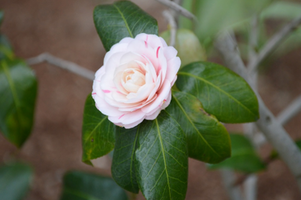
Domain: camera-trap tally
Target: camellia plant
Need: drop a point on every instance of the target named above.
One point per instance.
(154, 115)
(157, 101)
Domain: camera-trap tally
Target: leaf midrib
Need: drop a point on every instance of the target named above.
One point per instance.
(125, 22)
(95, 129)
(164, 159)
(217, 88)
(194, 125)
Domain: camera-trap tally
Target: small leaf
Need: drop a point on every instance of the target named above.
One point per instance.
(4, 41)
(208, 140)
(244, 158)
(282, 9)
(18, 90)
(82, 186)
(188, 46)
(15, 180)
(1, 16)
(123, 165)
(98, 132)
(5, 50)
(162, 159)
(223, 93)
(215, 16)
(122, 19)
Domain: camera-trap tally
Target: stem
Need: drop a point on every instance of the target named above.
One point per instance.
(269, 125)
(173, 26)
(179, 9)
(228, 180)
(292, 110)
(67, 65)
(274, 42)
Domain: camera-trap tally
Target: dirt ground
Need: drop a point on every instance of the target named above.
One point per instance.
(65, 29)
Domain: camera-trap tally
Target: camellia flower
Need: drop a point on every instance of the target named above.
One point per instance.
(135, 80)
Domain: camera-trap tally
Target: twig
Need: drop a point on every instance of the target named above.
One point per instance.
(268, 124)
(173, 26)
(179, 9)
(292, 110)
(250, 185)
(228, 180)
(273, 43)
(179, 2)
(250, 129)
(67, 65)
(253, 38)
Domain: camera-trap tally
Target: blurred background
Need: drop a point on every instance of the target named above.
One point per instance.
(65, 29)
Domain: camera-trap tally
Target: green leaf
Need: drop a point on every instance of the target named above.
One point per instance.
(1, 16)
(18, 90)
(4, 41)
(244, 157)
(5, 49)
(282, 9)
(98, 132)
(214, 16)
(207, 139)
(162, 159)
(87, 186)
(188, 46)
(15, 180)
(123, 165)
(183, 21)
(122, 19)
(223, 93)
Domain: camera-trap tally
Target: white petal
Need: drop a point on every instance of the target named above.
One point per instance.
(104, 107)
(173, 68)
(128, 120)
(153, 115)
(162, 96)
(170, 52)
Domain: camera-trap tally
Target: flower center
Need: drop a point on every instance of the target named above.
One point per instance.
(132, 79)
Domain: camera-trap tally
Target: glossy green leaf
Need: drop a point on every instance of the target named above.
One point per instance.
(162, 159)
(98, 133)
(87, 186)
(223, 93)
(122, 19)
(18, 90)
(123, 164)
(15, 180)
(207, 139)
(188, 46)
(244, 158)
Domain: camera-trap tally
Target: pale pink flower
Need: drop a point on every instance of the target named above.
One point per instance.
(135, 80)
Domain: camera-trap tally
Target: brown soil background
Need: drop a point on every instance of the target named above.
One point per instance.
(65, 29)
